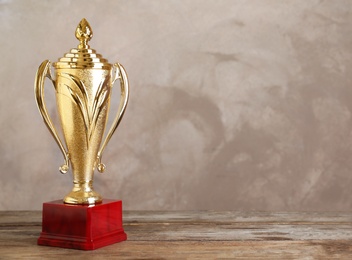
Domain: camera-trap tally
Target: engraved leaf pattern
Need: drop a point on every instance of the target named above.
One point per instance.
(78, 92)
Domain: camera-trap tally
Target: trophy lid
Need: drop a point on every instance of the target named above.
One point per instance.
(83, 57)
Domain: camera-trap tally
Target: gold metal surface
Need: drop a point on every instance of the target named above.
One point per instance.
(83, 83)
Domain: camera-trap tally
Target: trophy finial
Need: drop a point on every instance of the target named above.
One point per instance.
(84, 33)
(83, 57)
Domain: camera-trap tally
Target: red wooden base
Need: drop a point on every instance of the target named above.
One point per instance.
(85, 227)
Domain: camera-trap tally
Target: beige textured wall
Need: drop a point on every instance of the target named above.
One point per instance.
(235, 105)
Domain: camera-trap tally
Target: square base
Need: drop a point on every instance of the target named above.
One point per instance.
(85, 227)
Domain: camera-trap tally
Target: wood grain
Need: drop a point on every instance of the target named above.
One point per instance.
(195, 235)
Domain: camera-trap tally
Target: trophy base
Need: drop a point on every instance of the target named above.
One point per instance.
(85, 227)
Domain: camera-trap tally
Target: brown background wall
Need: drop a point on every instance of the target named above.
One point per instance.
(235, 105)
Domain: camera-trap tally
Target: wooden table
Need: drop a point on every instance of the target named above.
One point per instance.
(192, 235)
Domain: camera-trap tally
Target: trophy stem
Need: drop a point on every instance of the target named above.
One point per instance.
(83, 193)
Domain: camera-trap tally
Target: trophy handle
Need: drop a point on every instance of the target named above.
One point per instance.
(121, 74)
(44, 71)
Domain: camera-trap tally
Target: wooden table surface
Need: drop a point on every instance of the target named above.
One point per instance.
(195, 235)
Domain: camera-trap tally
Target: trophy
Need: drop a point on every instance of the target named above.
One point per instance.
(83, 83)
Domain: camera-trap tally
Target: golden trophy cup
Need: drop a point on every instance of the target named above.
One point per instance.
(83, 84)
